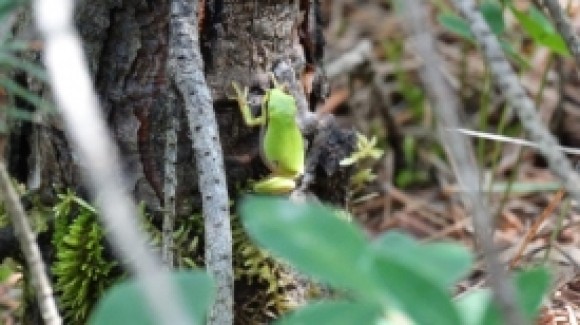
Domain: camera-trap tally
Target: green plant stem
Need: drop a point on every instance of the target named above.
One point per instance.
(513, 176)
(483, 117)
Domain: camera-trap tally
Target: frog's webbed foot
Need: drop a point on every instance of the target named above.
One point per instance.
(274, 185)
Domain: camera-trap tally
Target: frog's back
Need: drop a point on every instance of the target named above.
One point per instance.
(283, 139)
(286, 150)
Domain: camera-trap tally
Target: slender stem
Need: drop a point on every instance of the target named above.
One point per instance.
(29, 247)
(186, 70)
(169, 187)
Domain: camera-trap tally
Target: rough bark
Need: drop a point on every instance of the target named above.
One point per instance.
(127, 50)
(126, 43)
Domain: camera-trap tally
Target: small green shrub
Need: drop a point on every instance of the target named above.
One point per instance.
(390, 276)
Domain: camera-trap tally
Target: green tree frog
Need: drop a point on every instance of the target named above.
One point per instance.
(282, 145)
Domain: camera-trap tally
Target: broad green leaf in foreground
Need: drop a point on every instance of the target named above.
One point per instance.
(335, 313)
(443, 263)
(473, 306)
(312, 239)
(124, 303)
(532, 285)
(422, 299)
(478, 307)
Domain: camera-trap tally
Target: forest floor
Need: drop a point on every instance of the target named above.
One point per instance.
(416, 191)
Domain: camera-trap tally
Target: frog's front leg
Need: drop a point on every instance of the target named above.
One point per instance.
(242, 98)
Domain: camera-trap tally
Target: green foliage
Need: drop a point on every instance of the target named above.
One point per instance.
(253, 266)
(492, 12)
(3, 216)
(8, 6)
(533, 22)
(366, 151)
(540, 29)
(7, 268)
(12, 61)
(413, 174)
(187, 239)
(455, 24)
(393, 274)
(477, 307)
(413, 94)
(335, 313)
(124, 303)
(81, 269)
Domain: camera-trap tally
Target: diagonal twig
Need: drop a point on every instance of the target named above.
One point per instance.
(462, 158)
(536, 226)
(29, 247)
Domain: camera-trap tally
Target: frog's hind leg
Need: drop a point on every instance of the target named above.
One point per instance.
(274, 185)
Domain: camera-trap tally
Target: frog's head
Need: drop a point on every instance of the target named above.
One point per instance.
(280, 104)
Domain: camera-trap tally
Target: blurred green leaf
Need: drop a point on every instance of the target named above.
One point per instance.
(541, 30)
(456, 25)
(423, 300)
(513, 54)
(19, 63)
(16, 89)
(443, 263)
(6, 271)
(124, 303)
(7, 6)
(479, 308)
(333, 312)
(532, 285)
(493, 13)
(473, 306)
(410, 149)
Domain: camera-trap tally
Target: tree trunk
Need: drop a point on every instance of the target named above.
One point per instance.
(126, 48)
(126, 44)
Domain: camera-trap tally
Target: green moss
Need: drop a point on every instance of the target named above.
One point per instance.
(81, 269)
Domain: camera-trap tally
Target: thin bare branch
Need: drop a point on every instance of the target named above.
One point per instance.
(462, 158)
(78, 103)
(29, 247)
(169, 186)
(350, 60)
(186, 69)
